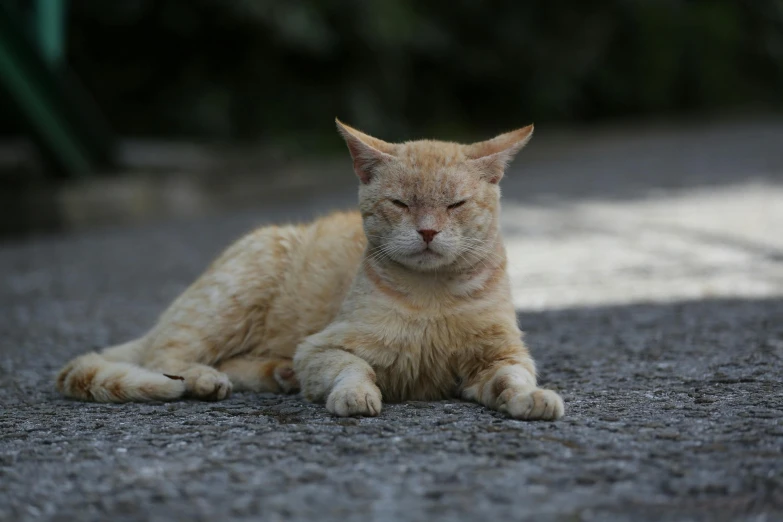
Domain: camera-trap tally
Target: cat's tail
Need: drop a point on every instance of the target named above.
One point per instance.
(115, 376)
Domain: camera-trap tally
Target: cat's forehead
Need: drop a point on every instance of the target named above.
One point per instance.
(430, 155)
(432, 170)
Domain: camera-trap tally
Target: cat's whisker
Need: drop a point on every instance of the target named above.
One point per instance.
(378, 256)
(484, 256)
(380, 253)
(484, 249)
(476, 241)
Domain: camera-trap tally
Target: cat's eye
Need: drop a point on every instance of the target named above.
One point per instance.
(457, 204)
(398, 203)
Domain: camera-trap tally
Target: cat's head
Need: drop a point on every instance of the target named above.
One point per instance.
(431, 204)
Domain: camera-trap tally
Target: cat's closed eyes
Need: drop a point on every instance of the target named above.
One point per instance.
(406, 299)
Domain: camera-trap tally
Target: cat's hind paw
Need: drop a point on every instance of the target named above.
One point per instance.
(208, 384)
(286, 377)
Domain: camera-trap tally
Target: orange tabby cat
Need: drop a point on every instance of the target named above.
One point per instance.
(408, 299)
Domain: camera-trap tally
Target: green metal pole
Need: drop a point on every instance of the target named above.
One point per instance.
(34, 74)
(34, 105)
(50, 28)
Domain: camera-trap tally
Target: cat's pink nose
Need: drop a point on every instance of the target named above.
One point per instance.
(428, 235)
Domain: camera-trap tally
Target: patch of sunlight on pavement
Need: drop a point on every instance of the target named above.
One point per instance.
(703, 243)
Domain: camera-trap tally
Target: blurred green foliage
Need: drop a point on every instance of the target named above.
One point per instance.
(237, 69)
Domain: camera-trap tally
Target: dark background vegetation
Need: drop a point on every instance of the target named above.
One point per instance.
(229, 70)
(267, 77)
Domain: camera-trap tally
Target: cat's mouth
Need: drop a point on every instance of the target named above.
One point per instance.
(428, 252)
(423, 258)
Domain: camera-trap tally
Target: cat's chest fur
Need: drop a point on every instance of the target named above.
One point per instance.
(416, 337)
(418, 358)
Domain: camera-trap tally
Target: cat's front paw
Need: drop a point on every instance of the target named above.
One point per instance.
(536, 404)
(354, 400)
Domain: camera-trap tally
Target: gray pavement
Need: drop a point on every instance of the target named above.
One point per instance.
(648, 273)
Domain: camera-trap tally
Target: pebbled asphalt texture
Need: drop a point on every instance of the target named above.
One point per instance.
(648, 271)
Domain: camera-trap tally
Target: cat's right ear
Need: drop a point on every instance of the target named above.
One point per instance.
(493, 156)
(367, 152)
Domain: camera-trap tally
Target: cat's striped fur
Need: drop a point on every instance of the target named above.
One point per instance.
(406, 299)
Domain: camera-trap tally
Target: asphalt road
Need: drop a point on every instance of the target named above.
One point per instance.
(648, 272)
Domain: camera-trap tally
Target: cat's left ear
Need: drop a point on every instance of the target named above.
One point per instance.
(493, 156)
(367, 152)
